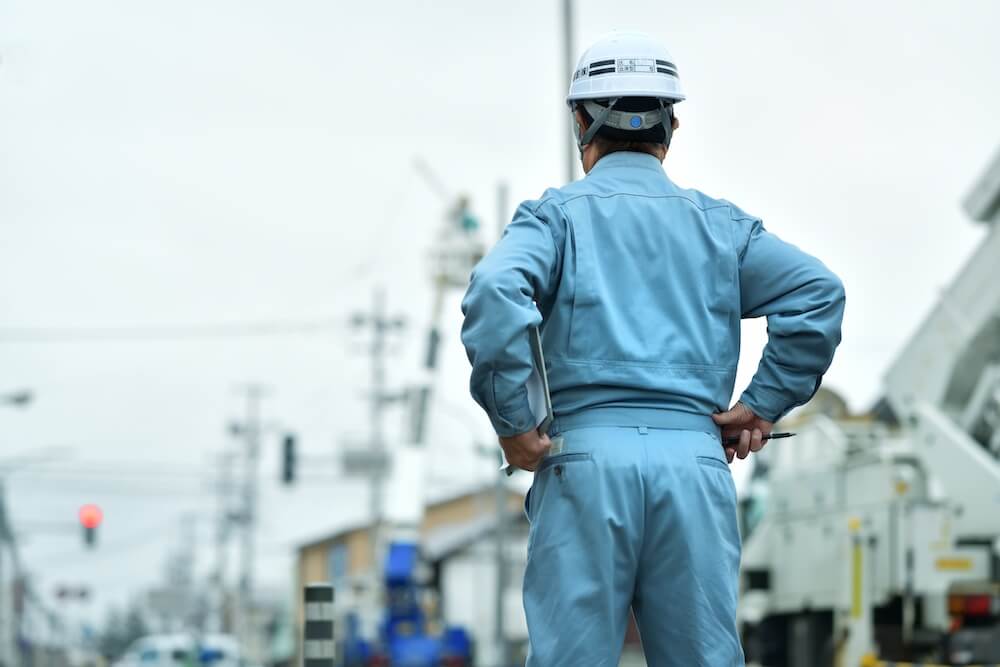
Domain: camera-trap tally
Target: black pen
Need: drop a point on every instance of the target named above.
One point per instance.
(735, 439)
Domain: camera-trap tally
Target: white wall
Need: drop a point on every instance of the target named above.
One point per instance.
(468, 589)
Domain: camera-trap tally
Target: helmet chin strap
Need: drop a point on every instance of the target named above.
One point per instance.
(667, 118)
(595, 125)
(585, 137)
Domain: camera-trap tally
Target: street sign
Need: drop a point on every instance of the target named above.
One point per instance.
(65, 592)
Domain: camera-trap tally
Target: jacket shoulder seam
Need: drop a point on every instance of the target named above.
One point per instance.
(637, 194)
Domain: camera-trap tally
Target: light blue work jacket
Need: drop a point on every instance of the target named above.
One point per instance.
(639, 287)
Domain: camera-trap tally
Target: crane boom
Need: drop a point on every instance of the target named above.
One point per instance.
(944, 359)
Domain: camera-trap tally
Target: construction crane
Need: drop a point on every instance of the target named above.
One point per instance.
(457, 249)
(878, 537)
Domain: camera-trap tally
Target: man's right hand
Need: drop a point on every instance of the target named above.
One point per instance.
(525, 451)
(740, 421)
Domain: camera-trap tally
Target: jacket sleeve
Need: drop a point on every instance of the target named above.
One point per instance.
(499, 308)
(804, 305)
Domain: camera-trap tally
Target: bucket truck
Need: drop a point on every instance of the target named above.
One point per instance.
(878, 537)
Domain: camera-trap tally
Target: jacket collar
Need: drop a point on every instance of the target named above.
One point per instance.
(627, 159)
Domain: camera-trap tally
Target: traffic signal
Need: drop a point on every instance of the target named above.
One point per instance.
(288, 459)
(90, 518)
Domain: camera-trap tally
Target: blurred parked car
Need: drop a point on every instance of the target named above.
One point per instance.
(182, 650)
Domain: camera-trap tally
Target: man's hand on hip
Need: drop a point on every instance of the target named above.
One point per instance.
(525, 451)
(740, 421)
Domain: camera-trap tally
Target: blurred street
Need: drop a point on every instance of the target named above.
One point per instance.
(234, 240)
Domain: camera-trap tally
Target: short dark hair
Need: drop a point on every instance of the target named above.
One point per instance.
(611, 139)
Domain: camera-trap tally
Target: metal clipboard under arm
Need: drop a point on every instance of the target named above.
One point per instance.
(539, 398)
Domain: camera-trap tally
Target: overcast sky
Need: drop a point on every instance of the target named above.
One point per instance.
(196, 163)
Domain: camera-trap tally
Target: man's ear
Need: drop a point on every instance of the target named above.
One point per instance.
(580, 122)
(675, 123)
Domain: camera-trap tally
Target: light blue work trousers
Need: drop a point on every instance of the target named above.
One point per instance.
(632, 516)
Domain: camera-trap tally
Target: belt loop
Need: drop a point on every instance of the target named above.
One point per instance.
(643, 430)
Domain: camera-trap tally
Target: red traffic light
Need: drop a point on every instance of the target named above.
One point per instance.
(91, 516)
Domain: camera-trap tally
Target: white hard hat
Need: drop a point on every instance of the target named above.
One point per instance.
(625, 64)
(620, 65)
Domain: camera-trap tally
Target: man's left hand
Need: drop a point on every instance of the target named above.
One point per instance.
(525, 451)
(739, 421)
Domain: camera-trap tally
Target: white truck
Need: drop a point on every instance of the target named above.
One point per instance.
(878, 537)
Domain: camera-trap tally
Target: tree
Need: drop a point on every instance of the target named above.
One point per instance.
(120, 630)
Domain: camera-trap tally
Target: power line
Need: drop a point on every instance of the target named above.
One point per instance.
(137, 539)
(102, 478)
(168, 332)
(203, 330)
(115, 471)
(122, 488)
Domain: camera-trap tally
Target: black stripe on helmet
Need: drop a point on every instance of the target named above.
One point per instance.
(664, 70)
(666, 63)
(605, 70)
(601, 63)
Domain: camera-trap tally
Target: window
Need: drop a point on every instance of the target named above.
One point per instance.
(337, 562)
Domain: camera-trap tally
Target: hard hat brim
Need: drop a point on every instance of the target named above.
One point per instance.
(599, 88)
(631, 93)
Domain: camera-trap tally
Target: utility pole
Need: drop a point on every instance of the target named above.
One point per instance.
(223, 522)
(5, 596)
(568, 64)
(9, 615)
(499, 629)
(500, 543)
(381, 325)
(8, 619)
(250, 430)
